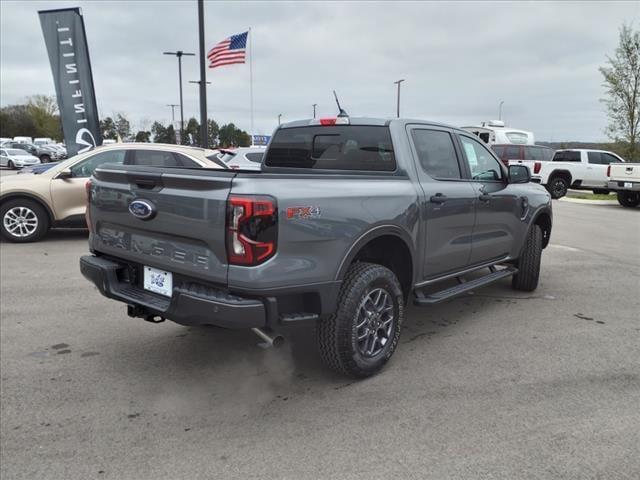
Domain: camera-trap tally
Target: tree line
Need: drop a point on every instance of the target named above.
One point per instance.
(39, 117)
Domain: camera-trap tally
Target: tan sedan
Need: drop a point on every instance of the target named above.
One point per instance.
(32, 203)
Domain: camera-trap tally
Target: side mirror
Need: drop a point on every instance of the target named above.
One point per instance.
(65, 174)
(519, 174)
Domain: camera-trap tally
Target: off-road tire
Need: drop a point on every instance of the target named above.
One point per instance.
(40, 213)
(529, 262)
(337, 335)
(557, 187)
(629, 199)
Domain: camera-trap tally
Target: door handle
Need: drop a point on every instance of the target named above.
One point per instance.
(438, 198)
(484, 197)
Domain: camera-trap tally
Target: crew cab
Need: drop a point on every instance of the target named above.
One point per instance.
(347, 221)
(624, 179)
(580, 169)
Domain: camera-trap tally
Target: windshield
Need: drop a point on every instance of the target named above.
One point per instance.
(18, 153)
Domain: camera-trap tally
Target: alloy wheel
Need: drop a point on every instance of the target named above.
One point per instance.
(375, 322)
(20, 222)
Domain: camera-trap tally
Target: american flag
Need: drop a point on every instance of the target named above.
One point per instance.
(230, 50)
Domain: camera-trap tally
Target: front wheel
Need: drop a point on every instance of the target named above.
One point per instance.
(360, 337)
(558, 187)
(11, 165)
(529, 262)
(23, 221)
(45, 159)
(629, 199)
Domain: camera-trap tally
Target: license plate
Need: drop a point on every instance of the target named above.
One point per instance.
(628, 185)
(158, 281)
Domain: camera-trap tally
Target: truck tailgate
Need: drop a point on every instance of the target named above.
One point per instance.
(625, 172)
(185, 230)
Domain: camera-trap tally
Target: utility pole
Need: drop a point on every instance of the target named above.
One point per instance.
(180, 54)
(204, 137)
(500, 110)
(314, 110)
(398, 82)
(173, 109)
(279, 116)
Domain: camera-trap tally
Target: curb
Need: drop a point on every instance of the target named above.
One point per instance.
(588, 202)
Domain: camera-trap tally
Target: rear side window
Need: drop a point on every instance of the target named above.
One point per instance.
(436, 153)
(186, 161)
(513, 153)
(566, 156)
(254, 157)
(86, 167)
(344, 147)
(537, 153)
(155, 158)
(607, 158)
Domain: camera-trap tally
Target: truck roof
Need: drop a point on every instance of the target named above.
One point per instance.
(371, 121)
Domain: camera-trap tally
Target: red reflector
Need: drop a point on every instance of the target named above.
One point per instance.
(536, 167)
(327, 121)
(87, 212)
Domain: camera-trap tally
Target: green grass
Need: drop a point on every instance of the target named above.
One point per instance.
(591, 196)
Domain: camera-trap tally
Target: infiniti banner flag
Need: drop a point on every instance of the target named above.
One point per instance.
(66, 42)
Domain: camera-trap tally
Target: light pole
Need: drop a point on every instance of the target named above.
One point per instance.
(204, 142)
(180, 54)
(398, 82)
(500, 110)
(173, 109)
(279, 116)
(314, 109)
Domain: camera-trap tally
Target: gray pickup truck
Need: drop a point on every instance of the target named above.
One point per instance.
(348, 220)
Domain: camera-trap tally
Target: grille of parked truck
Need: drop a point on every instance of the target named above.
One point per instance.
(347, 221)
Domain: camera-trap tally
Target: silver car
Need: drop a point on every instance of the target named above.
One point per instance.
(16, 158)
(244, 158)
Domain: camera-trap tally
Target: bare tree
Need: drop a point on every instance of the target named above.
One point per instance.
(622, 85)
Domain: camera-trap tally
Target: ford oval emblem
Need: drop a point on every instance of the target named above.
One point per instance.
(142, 209)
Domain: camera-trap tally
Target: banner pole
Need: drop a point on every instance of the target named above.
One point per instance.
(251, 80)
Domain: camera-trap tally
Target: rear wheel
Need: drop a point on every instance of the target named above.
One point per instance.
(629, 199)
(529, 262)
(23, 221)
(558, 187)
(361, 336)
(45, 158)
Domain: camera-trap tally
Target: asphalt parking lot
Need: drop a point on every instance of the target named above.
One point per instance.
(498, 384)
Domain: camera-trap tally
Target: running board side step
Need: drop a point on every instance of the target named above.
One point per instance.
(421, 299)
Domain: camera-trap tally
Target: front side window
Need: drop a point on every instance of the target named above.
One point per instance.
(436, 153)
(483, 165)
(86, 167)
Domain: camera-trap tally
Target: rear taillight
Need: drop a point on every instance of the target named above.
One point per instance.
(87, 213)
(252, 229)
(609, 171)
(536, 167)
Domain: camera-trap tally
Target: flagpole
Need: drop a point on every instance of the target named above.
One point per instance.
(251, 80)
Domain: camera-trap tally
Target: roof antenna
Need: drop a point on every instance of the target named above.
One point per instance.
(342, 112)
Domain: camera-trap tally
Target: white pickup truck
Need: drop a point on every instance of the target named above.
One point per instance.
(579, 169)
(624, 179)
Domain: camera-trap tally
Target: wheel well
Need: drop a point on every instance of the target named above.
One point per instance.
(544, 222)
(19, 196)
(561, 173)
(393, 253)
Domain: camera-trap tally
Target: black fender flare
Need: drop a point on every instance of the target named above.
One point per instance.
(544, 210)
(372, 234)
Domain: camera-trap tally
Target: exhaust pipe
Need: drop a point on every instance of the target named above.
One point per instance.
(275, 341)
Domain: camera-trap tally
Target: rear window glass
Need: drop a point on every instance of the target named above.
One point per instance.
(343, 147)
(566, 156)
(499, 151)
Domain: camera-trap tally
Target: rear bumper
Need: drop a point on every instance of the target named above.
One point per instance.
(190, 304)
(635, 186)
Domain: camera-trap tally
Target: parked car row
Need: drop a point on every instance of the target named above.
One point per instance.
(54, 196)
(45, 152)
